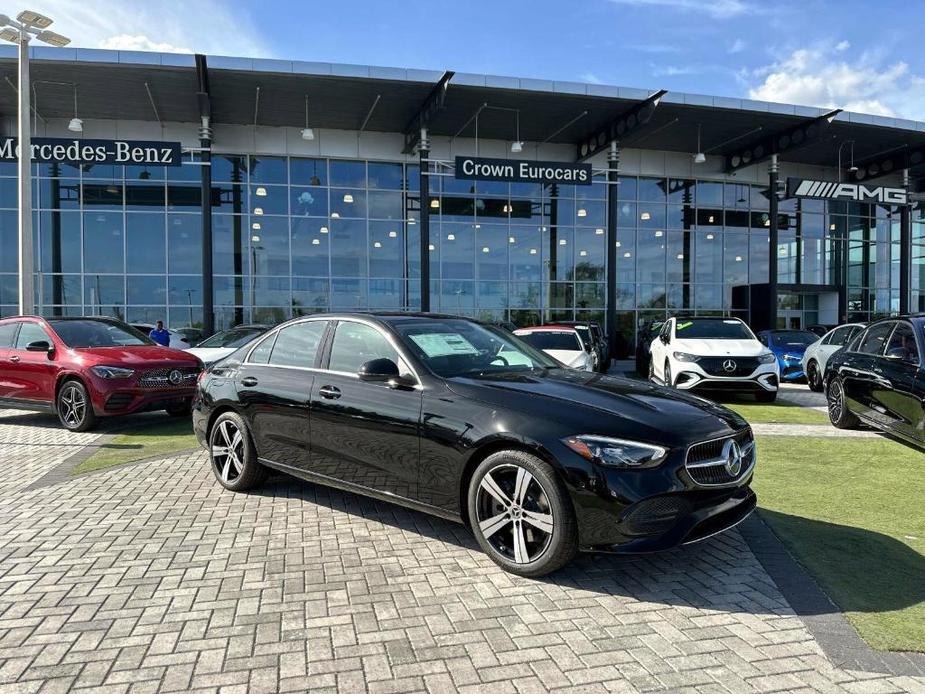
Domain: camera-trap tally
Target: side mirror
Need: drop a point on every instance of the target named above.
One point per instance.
(378, 371)
(896, 353)
(40, 346)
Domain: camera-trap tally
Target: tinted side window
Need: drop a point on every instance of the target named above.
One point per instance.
(31, 332)
(838, 337)
(297, 345)
(261, 353)
(872, 342)
(6, 334)
(355, 344)
(902, 344)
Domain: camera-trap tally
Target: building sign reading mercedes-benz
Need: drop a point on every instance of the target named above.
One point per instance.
(53, 150)
(519, 171)
(855, 192)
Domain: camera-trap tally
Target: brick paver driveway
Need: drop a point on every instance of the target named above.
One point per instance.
(149, 577)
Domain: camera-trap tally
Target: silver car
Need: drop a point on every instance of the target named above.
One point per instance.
(818, 353)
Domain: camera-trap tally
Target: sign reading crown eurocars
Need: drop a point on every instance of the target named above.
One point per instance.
(53, 150)
(519, 171)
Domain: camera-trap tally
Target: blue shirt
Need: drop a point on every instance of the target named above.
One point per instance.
(161, 337)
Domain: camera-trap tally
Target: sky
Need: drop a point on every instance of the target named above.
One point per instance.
(860, 55)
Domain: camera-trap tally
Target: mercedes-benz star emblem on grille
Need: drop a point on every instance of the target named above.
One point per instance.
(732, 454)
(175, 377)
(729, 365)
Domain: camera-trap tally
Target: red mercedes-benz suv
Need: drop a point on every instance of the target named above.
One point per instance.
(86, 368)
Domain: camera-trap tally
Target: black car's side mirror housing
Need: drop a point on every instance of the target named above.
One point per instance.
(41, 346)
(378, 371)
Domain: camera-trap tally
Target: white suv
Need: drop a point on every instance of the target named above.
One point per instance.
(713, 353)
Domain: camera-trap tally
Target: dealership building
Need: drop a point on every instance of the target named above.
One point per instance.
(217, 191)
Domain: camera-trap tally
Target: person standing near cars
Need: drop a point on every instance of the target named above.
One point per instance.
(160, 334)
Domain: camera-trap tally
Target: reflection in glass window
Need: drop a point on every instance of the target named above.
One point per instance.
(309, 201)
(269, 246)
(348, 174)
(265, 169)
(355, 344)
(61, 247)
(385, 176)
(268, 199)
(103, 242)
(184, 243)
(308, 172)
(297, 345)
(145, 246)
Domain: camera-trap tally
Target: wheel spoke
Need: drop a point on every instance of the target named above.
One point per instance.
(521, 556)
(492, 525)
(223, 430)
(219, 450)
(238, 467)
(489, 485)
(540, 521)
(226, 470)
(236, 441)
(520, 488)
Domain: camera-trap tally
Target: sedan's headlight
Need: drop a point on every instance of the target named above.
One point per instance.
(616, 452)
(684, 356)
(767, 358)
(111, 371)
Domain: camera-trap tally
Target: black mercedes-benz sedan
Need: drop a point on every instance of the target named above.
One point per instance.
(465, 421)
(878, 379)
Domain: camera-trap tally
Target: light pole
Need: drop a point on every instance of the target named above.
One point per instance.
(28, 25)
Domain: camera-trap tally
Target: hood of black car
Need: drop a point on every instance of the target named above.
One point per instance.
(604, 402)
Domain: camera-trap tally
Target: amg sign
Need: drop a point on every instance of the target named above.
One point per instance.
(856, 192)
(51, 150)
(518, 171)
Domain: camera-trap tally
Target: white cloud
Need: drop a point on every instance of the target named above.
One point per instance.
(591, 77)
(842, 46)
(139, 42)
(673, 70)
(204, 26)
(718, 9)
(820, 76)
(737, 47)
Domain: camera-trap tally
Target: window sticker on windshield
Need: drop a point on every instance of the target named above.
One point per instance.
(688, 324)
(443, 344)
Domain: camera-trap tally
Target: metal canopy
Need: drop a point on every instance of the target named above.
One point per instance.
(123, 86)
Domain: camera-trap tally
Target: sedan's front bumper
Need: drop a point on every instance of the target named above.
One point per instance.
(763, 378)
(699, 523)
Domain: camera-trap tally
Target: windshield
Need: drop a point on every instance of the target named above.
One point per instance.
(451, 347)
(585, 333)
(97, 333)
(236, 337)
(792, 338)
(550, 339)
(712, 329)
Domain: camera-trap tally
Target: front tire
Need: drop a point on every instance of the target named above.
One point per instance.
(521, 514)
(813, 377)
(839, 415)
(766, 396)
(75, 411)
(233, 454)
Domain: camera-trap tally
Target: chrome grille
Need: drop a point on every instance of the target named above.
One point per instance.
(742, 366)
(707, 464)
(159, 379)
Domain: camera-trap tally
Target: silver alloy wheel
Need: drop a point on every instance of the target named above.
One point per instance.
(227, 450)
(836, 400)
(514, 513)
(72, 405)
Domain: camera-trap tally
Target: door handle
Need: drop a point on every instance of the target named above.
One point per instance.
(329, 392)
(14, 359)
(249, 381)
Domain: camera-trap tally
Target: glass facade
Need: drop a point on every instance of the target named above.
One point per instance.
(301, 235)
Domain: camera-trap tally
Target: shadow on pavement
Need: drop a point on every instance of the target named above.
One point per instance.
(860, 570)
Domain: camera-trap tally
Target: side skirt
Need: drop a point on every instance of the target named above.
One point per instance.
(318, 478)
(30, 405)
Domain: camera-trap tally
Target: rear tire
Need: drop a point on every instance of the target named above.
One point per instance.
(766, 396)
(813, 377)
(75, 411)
(184, 410)
(521, 514)
(233, 454)
(839, 415)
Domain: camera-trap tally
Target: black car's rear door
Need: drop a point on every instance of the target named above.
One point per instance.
(365, 433)
(858, 373)
(896, 394)
(274, 386)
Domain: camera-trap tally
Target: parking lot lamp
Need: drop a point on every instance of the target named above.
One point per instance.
(27, 26)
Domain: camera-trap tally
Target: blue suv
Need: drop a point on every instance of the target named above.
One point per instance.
(788, 346)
